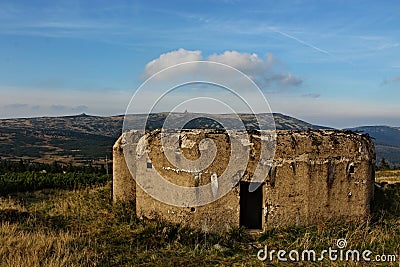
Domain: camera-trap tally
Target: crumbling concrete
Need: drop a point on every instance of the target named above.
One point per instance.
(315, 176)
(124, 187)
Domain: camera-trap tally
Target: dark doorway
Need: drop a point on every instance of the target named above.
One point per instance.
(250, 206)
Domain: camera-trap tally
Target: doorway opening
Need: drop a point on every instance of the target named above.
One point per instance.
(251, 206)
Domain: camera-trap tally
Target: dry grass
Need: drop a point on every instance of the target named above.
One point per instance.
(20, 247)
(389, 176)
(28, 238)
(82, 228)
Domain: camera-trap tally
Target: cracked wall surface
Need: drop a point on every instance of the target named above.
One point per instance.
(315, 176)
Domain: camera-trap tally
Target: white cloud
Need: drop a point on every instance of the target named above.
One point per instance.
(260, 69)
(245, 62)
(169, 59)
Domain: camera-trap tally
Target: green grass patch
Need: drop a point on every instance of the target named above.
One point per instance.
(30, 181)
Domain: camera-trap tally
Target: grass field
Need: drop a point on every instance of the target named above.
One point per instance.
(56, 227)
(389, 176)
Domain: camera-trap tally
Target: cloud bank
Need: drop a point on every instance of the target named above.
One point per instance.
(261, 69)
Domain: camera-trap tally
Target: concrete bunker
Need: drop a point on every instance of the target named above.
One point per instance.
(315, 176)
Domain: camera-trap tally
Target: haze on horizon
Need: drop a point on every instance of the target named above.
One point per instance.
(333, 63)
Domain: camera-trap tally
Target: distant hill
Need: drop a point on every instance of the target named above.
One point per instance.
(387, 141)
(66, 139)
(80, 138)
(282, 122)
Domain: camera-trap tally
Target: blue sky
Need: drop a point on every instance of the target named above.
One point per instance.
(333, 63)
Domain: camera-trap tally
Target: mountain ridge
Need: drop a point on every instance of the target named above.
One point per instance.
(81, 138)
(386, 140)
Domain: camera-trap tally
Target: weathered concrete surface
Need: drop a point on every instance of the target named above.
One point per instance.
(313, 179)
(316, 176)
(124, 187)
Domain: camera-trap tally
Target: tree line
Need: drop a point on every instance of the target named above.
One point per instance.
(384, 165)
(30, 181)
(24, 175)
(21, 166)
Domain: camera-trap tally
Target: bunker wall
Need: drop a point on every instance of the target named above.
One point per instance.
(315, 176)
